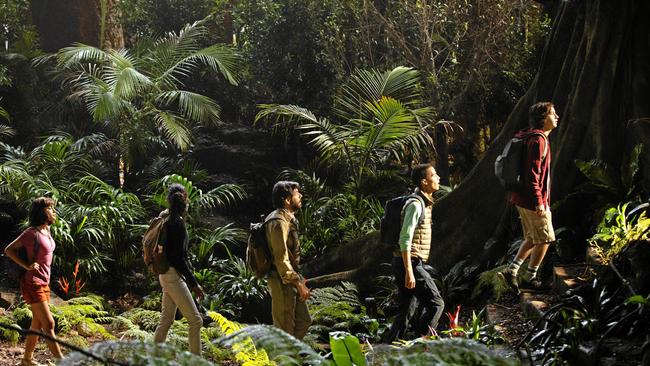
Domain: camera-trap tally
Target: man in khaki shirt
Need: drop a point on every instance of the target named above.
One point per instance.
(288, 288)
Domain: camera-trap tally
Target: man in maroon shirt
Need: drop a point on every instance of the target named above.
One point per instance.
(532, 201)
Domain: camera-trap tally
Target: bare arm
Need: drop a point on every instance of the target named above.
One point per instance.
(11, 251)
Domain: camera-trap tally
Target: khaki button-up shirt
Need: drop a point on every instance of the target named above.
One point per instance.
(282, 235)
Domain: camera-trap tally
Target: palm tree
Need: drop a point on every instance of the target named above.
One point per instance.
(96, 223)
(199, 203)
(139, 93)
(380, 118)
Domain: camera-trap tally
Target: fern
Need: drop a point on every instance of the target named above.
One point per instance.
(146, 319)
(445, 351)
(282, 348)
(492, 281)
(346, 292)
(23, 316)
(244, 349)
(95, 301)
(136, 353)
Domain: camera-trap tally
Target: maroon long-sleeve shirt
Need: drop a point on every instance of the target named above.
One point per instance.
(536, 189)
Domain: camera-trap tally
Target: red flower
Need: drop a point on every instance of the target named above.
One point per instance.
(453, 321)
(65, 286)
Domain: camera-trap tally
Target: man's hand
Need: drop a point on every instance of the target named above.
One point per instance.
(33, 267)
(303, 291)
(198, 292)
(409, 279)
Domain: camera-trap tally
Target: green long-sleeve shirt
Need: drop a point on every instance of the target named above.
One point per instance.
(412, 213)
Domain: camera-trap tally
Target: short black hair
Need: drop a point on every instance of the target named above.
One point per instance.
(37, 214)
(282, 190)
(418, 173)
(177, 199)
(537, 114)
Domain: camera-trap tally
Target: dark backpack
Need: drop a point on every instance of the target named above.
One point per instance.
(152, 245)
(509, 166)
(14, 270)
(258, 253)
(391, 222)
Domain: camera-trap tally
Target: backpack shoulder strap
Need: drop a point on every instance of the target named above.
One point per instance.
(412, 198)
(545, 142)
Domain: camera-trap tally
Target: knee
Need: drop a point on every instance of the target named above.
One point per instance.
(195, 321)
(47, 324)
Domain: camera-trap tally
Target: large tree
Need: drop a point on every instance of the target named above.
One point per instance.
(64, 22)
(595, 69)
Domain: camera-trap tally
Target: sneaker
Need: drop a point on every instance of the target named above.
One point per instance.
(535, 285)
(510, 279)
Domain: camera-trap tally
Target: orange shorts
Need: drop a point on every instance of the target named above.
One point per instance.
(33, 293)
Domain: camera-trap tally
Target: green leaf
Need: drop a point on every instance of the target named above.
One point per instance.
(638, 299)
(600, 175)
(346, 349)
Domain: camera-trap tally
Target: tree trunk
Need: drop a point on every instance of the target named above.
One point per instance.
(63, 22)
(595, 70)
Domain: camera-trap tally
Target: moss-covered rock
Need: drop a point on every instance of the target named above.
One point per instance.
(8, 335)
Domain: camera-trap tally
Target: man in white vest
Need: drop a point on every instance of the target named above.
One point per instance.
(410, 259)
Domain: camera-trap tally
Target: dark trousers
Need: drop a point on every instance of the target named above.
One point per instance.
(425, 292)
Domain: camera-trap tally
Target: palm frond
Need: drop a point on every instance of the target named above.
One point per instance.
(125, 79)
(173, 128)
(219, 58)
(222, 196)
(391, 123)
(4, 129)
(329, 139)
(401, 83)
(196, 107)
(95, 144)
(70, 57)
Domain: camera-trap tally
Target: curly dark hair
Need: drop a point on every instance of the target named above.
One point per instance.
(177, 199)
(37, 214)
(537, 114)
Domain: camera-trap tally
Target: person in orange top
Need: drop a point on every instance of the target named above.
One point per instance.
(34, 284)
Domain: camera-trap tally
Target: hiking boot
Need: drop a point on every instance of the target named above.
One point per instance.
(510, 279)
(535, 285)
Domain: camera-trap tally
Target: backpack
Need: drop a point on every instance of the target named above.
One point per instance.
(152, 244)
(16, 271)
(391, 223)
(509, 166)
(258, 253)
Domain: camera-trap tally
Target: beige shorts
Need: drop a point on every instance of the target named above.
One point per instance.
(537, 229)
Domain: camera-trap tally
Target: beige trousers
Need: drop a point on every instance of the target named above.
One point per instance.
(177, 295)
(289, 313)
